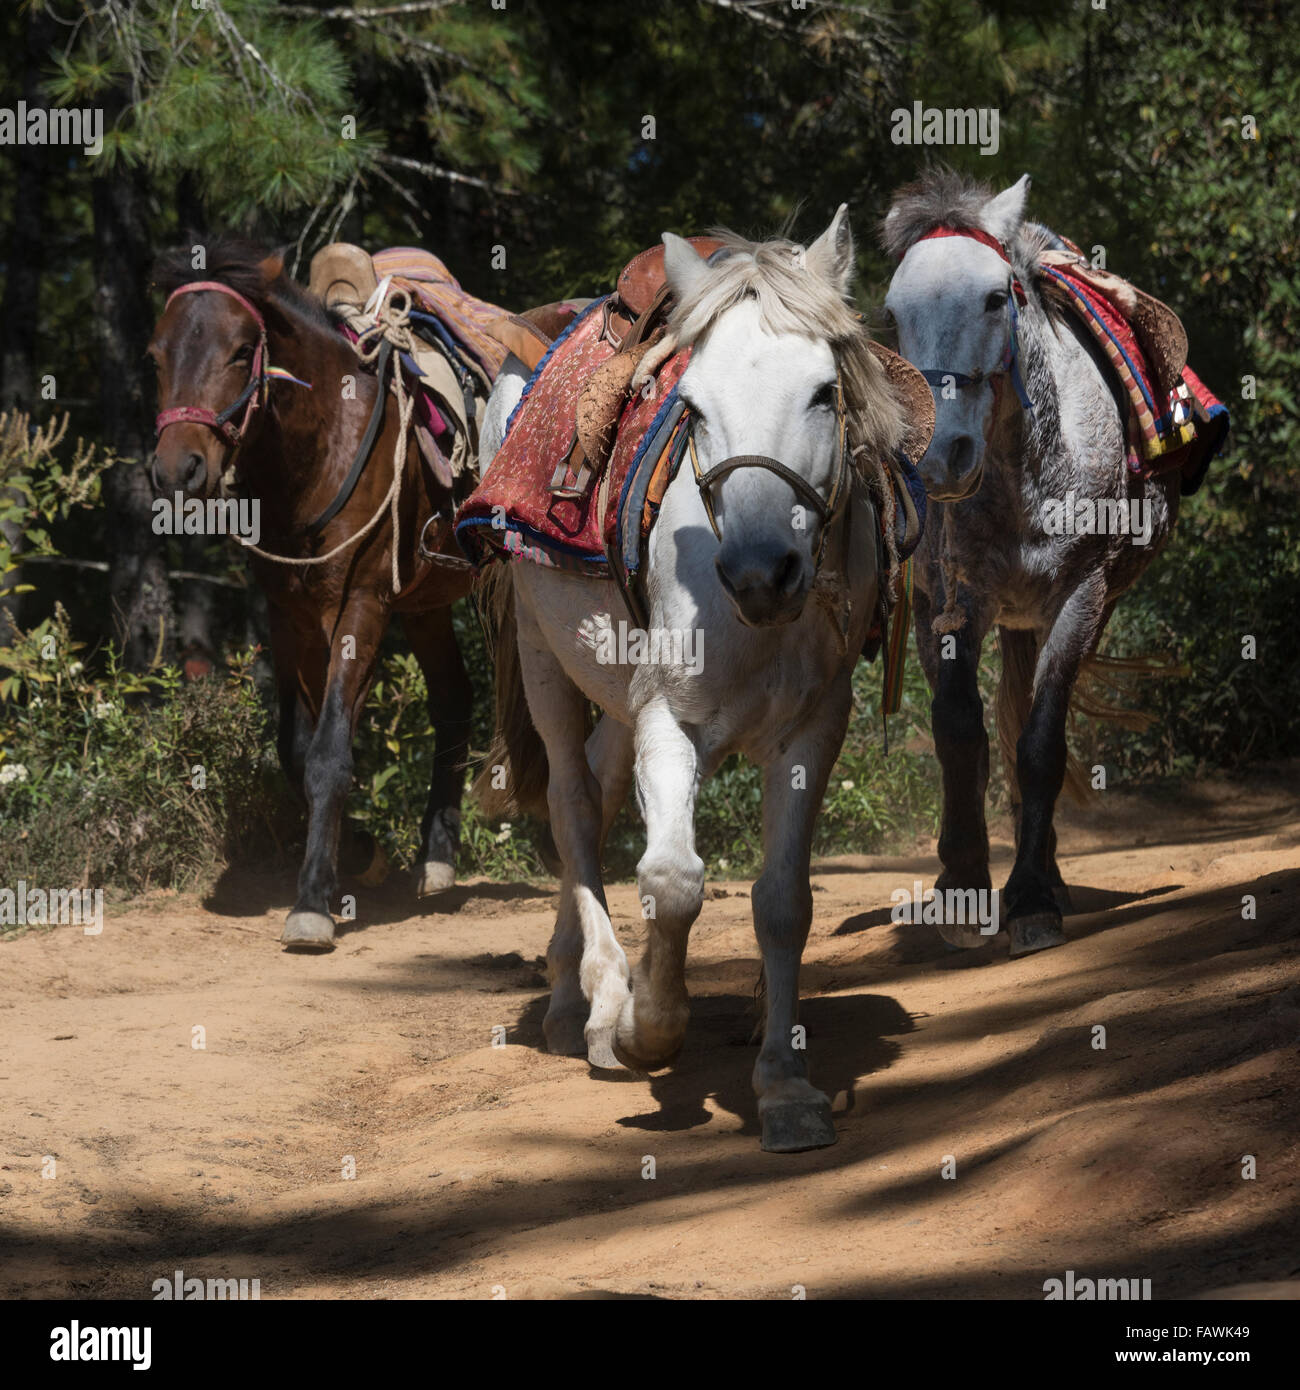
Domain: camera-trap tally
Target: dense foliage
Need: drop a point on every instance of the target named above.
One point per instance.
(569, 135)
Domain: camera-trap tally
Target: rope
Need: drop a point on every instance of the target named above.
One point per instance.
(952, 619)
(391, 321)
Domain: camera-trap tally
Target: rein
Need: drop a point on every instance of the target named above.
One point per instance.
(826, 508)
(1010, 363)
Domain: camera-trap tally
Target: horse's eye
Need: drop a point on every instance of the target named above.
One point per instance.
(996, 300)
(823, 396)
(243, 354)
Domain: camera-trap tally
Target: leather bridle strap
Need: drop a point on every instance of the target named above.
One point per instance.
(1010, 363)
(363, 449)
(248, 400)
(825, 508)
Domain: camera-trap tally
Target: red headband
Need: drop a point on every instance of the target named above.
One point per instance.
(985, 239)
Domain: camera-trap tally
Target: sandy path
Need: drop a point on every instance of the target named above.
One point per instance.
(481, 1167)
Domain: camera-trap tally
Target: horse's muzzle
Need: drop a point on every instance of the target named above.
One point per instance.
(766, 583)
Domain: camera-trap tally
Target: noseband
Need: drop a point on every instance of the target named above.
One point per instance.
(1010, 363)
(253, 395)
(826, 509)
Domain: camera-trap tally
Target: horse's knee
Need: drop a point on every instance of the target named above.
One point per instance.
(672, 888)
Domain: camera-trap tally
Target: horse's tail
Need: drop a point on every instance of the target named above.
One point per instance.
(515, 773)
(1094, 694)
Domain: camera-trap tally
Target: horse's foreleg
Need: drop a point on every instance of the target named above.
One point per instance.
(962, 744)
(433, 640)
(794, 1114)
(310, 927)
(1032, 911)
(588, 967)
(670, 884)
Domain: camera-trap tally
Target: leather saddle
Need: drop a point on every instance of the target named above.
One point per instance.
(343, 278)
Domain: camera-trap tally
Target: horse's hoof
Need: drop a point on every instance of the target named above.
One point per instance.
(1040, 931)
(796, 1125)
(377, 870)
(963, 936)
(600, 1051)
(308, 931)
(434, 878)
(1061, 895)
(564, 1033)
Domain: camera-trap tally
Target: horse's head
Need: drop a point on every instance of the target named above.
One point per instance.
(766, 389)
(954, 300)
(209, 348)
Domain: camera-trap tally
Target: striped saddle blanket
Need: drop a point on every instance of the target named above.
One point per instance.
(1174, 421)
(515, 514)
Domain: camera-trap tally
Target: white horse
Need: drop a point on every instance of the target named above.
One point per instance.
(765, 552)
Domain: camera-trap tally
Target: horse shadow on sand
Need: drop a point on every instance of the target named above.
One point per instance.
(849, 1037)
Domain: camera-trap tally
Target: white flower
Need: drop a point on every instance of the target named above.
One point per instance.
(35, 702)
(75, 669)
(846, 786)
(103, 710)
(504, 833)
(724, 863)
(12, 772)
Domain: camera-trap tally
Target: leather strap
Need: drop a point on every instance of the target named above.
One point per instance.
(363, 450)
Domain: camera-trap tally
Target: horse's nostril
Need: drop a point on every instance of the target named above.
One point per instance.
(196, 473)
(961, 454)
(788, 574)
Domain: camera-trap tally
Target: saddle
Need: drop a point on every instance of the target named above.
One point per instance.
(452, 355)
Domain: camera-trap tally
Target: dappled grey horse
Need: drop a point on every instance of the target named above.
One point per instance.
(1025, 419)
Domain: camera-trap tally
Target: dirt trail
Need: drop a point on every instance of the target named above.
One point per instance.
(481, 1167)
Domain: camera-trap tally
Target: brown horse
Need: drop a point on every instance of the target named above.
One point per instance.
(293, 435)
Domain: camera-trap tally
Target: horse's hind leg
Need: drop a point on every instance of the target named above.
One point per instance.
(609, 755)
(433, 640)
(794, 1114)
(558, 711)
(1033, 916)
(961, 742)
(670, 884)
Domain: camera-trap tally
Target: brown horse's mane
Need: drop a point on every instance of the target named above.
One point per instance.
(237, 262)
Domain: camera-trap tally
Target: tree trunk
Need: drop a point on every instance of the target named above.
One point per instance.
(24, 265)
(138, 586)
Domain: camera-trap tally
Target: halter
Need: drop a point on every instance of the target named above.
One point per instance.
(1010, 363)
(253, 395)
(827, 509)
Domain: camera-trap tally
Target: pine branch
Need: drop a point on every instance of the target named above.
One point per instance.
(435, 171)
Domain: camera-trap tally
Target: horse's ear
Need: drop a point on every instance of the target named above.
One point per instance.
(272, 267)
(1003, 215)
(831, 255)
(684, 268)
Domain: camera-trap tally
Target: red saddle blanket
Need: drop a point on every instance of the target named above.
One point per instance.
(514, 514)
(1179, 428)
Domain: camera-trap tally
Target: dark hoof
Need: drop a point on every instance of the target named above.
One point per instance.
(308, 932)
(796, 1125)
(1040, 931)
(963, 937)
(564, 1033)
(1064, 902)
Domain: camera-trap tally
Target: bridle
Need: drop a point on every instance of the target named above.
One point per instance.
(254, 394)
(1010, 363)
(826, 508)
